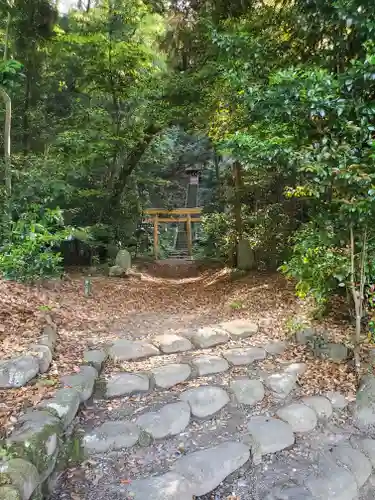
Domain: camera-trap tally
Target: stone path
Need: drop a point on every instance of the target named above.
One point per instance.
(178, 417)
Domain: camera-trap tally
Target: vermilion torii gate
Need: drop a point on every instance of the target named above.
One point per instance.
(162, 216)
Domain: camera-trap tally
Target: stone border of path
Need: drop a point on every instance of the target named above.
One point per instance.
(43, 443)
(17, 372)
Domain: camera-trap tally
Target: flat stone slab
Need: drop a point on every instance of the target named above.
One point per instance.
(83, 382)
(281, 384)
(321, 405)
(168, 421)
(338, 400)
(169, 375)
(207, 365)
(268, 435)
(296, 368)
(366, 446)
(129, 350)
(169, 486)
(17, 372)
(364, 411)
(332, 482)
(170, 343)
(355, 461)
(111, 436)
(275, 347)
(125, 384)
(95, 358)
(206, 469)
(240, 328)
(205, 401)
(209, 337)
(299, 416)
(244, 356)
(247, 392)
(64, 404)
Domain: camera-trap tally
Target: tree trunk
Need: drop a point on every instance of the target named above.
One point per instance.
(7, 160)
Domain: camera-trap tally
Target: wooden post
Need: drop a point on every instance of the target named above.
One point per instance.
(189, 236)
(156, 236)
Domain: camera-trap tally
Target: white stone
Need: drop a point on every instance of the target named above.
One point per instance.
(275, 347)
(207, 365)
(206, 469)
(281, 384)
(337, 399)
(299, 416)
(43, 354)
(240, 328)
(64, 403)
(357, 463)
(128, 350)
(247, 392)
(296, 368)
(320, 405)
(121, 384)
(169, 375)
(168, 421)
(170, 343)
(269, 435)
(111, 436)
(169, 486)
(244, 356)
(209, 337)
(205, 401)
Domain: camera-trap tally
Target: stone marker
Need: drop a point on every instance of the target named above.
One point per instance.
(209, 337)
(22, 475)
(245, 255)
(244, 356)
(170, 420)
(64, 404)
(240, 328)
(205, 401)
(95, 358)
(299, 416)
(17, 372)
(206, 469)
(125, 384)
(111, 436)
(128, 350)
(207, 365)
(123, 259)
(355, 461)
(170, 343)
(320, 405)
(83, 382)
(268, 435)
(247, 392)
(169, 375)
(36, 439)
(169, 486)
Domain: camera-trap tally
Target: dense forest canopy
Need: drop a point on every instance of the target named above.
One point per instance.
(113, 99)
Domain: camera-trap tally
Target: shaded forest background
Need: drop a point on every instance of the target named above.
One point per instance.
(274, 100)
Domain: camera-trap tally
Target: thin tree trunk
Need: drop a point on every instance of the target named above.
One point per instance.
(7, 128)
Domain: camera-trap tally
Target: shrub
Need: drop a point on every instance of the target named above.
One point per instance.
(28, 250)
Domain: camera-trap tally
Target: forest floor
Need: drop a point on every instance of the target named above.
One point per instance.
(146, 306)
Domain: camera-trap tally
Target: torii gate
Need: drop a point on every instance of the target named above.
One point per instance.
(184, 215)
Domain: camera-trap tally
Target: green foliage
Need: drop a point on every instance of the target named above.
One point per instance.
(29, 249)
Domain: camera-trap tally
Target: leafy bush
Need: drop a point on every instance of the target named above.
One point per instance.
(28, 250)
(317, 264)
